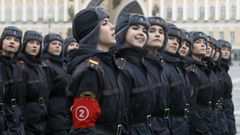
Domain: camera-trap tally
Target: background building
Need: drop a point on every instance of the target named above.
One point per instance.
(217, 18)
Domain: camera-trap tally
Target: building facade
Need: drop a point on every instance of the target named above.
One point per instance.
(217, 18)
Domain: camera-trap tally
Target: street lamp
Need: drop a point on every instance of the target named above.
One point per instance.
(49, 22)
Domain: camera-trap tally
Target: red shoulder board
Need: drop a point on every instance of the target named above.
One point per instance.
(85, 112)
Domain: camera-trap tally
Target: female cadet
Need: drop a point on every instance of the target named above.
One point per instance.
(12, 88)
(58, 122)
(98, 96)
(157, 39)
(131, 35)
(29, 61)
(228, 106)
(177, 83)
(201, 119)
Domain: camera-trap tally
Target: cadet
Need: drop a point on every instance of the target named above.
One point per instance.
(12, 88)
(177, 83)
(58, 122)
(97, 90)
(201, 119)
(29, 61)
(69, 44)
(157, 40)
(228, 106)
(131, 36)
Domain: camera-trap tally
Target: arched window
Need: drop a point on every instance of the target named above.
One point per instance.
(61, 14)
(40, 14)
(18, 14)
(29, 14)
(8, 15)
(51, 11)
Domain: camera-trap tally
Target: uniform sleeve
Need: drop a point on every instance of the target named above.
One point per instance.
(86, 87)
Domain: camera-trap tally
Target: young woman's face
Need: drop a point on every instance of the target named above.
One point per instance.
(184, 50)
(33, 47)
(55, 47)
(226, 52)
(172, 44)
(199, 47)
(217, 55)
(10, 45)
(209, 50)
(136, 36)
(107, 33)
(73, 45)
(155, 36)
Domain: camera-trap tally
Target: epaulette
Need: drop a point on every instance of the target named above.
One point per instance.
(191, 68)
(162, 62)
(93, 62)
(21, 64)
(120, 63)
(46, 63)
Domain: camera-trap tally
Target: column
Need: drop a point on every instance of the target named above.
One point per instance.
(13, 10)
(65, 10)
(174, 10)
(162, 8)
(75, 6)
(217, 10)
(45, 10)
(24, 11)
(185, 10)
(150, 7)
(238, 9)
(206, 9)
(35, 11)
(195, 10)
(56, 11)
(2, 11)
(227, 10)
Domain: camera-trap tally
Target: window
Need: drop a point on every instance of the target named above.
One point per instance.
(212, 13)
(232, 37)
(169, 13)
(18, 14)
(221, 35)
(211, 34)
(61, 14)
(180, 13)
(233, 12)
(8, 14)
(190, 14)
(201, 15)
(222, 12)
(51, 11)
(40, 14)
(50, 14)
(29, 14)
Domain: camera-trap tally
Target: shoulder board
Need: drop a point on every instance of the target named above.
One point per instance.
(162, 62)
(191, 68)
(46, 63)
(120, 63)
(21, 64)
(93, 62)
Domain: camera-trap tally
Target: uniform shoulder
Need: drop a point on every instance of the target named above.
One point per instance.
(120, 63)
(46, 63)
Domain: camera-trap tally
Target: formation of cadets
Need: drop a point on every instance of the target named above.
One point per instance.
(143, 77)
